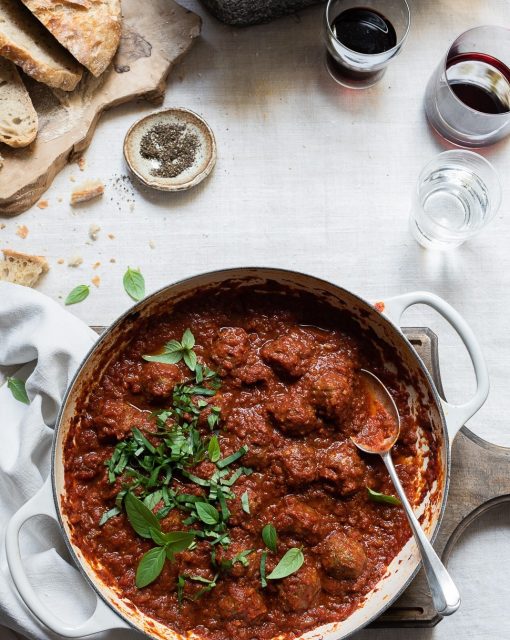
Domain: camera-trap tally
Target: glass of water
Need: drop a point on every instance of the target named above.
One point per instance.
(458, 193)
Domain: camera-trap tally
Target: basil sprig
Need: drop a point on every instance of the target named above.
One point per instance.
(78, 294)
(134, 284)
(291, 562)
(175, 351)
(375, 496)
(145, 523)
(18, 390)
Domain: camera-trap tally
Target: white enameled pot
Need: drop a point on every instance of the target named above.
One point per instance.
(381, 321)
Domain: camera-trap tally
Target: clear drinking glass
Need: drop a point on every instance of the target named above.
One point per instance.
(467, 100)
(366, 65)
(458, 193)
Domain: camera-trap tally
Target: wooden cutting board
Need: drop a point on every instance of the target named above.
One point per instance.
(155, 34)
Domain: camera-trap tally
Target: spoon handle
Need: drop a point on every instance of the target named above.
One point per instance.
(445, 595)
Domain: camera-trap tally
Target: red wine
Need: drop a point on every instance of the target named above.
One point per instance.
(364, 30)
(480, 81)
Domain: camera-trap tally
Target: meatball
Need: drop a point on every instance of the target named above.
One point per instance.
(252, 372)
(116, 419)
(332, 394)
(295, 517)
(230, 349)
(292, 413)
(342, 556)
(300, 590)
(158, 379)
(87, 467)
(299, 463)
(241, 603)
(289, 354)
(342, 466)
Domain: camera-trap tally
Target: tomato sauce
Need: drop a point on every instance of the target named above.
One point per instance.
(290, 393)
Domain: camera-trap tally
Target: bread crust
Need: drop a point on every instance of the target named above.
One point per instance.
(89, 29)
(18, 30)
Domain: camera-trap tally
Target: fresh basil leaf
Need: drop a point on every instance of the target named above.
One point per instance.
(375, 496)
(171, 357)
(207, 513)
(140, 517)
(78, 294)
(263, 559)
(270, 537)
(18, 390)
(109, 514)
(188, 339)
(151, 565)
(214, 449)
(157, 536)
(152, 499)
(232, 458)
(134, 284)
(178, 541)
(245, 502)
(190, 359)
(291, 562)
(173, 345)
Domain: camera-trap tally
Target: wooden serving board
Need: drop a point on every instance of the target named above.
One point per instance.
(155, 34)
(479, 481)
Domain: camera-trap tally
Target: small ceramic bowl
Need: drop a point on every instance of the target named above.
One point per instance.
(143, 168)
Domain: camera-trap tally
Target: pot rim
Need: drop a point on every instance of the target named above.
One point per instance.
(230, 272)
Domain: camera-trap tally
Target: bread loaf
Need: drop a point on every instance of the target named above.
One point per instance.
(89, 29)
(29, 45)
(18, 119)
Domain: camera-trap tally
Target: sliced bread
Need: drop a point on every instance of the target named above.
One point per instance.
(22, 268)
(26, 43)
(18, 119)
(89, 29)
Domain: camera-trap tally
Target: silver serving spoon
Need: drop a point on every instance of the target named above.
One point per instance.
(445, 595)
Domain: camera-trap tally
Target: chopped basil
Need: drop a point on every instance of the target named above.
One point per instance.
(270, 537)
(109, 514)
(18, 390)
(263, 559)
(78, 294)
(291, 562)
(375, 496)
(232, 458)
(134, 284)
(245, 502)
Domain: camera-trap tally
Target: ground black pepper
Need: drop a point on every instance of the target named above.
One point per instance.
(172, 146)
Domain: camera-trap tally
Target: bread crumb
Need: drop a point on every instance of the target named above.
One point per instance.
(152, 244)
(22, 231)
(60, 261)
(60, 199)
(87, 191)
(75, 261)
(2, 225)
(43, 204)
(72, 179)
(96, 281)
(81, 162)
(94, 229)
(112, 260)
(111, 236)
(96, 265)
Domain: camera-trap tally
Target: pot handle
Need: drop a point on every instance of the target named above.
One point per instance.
(103, 617)
(456, 414)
